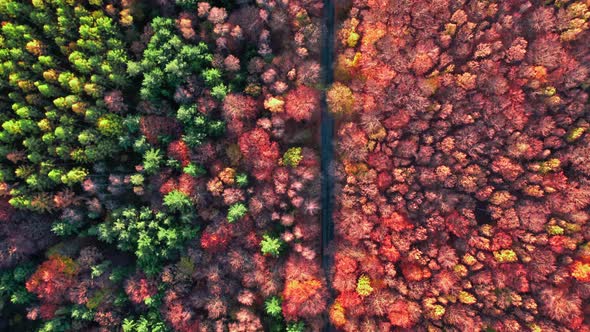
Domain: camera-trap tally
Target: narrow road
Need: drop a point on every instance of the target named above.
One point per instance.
(327, 149)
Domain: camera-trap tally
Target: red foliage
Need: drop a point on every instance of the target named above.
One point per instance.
(379, 161)
(239, 107)
(185, 25)
(53, 278)
(47, 310)
(168, 186)
(187, 184)
(302, 102)
(259, 152)
(349, 300)
(215, 239)
(561, 305)
(115, 102)
(404, 314)
(457, 224)
(384, 180)
(415, 272)
(344, 263)
(304, 294)
(397, 222)
(153, 126)
(389, 252)
(139, 288)
(180, 151)
(180, 318)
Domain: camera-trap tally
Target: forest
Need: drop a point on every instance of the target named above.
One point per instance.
(163, 165)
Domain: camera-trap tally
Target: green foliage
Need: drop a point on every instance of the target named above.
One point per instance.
(236, 212)
(110, 125)
(150, 322)
(272, 306)
(56, 60)
(96, 299)
(12, 283)
(212, 76)
(242, 180)
(194, 170)
(136, 179)
(56, 325)
(177, 201)
(271, 245)
(152, 159)
(98, 270)
(79, 312)
(118, 273)
(219, 91)
(64, 227)
(296, 327)
(292, 157)
(197, 126)
(154, 237)
(74, 176)
(187, 4)
(168, 60)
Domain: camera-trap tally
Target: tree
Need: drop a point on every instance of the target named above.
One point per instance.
(292, 157)
(53, 278)
(340, 99)
(271, 245)
(152, 160)
(154, 237)
(302, 102)
(272, 306)
(236, 212)
(167, 60)
(61, 59)
(177, 201)
(259, 152)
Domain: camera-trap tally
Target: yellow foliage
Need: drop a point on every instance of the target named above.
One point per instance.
(340, 99)
(363, 286)
(469, 260)
(351, 168)
(374, 33)
(461, 270)
(505, 256)
(550, 165)
(574, 134)
(352, 39)
(274, 104)
(466, 298)
(581, 271)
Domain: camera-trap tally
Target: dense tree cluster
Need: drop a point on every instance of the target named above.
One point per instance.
(58, 61)
(160, 166)
(464, 195)
(153, 176)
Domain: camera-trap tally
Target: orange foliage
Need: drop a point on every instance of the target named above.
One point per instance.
(371, 34)
(415, 272)
(349, 299)
(296, 293)
(337, 315)
(397, 222)
(580, 271)
(404, 314)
